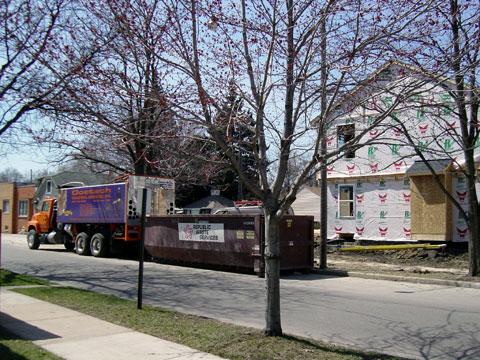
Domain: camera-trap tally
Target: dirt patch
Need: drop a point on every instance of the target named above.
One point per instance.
(444, 258)
(448, 263)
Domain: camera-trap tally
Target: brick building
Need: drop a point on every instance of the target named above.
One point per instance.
(16, 205)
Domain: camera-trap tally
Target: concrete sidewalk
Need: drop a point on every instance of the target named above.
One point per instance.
(73, 335)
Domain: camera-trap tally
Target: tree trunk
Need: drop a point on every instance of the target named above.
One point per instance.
(467, 139)
(474, 227)
(139, 167)
(273, 325)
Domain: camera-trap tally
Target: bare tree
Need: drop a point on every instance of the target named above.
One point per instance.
(11, 174)
(116, 114)
(292, 62)
(39, 57)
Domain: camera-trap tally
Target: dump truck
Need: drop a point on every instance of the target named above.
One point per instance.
(98, 219)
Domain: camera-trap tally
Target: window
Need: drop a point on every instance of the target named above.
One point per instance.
(386, 75)
(345, 201)
(23, 208)
(45, 206)
(6, 206)
(49, 187)
(346, 133)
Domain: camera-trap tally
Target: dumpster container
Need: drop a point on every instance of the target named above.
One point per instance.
(233, 241)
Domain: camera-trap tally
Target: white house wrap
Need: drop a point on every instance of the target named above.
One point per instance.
(381, 210)
(370, 190)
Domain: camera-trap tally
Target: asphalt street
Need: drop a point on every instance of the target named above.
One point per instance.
(409, 320)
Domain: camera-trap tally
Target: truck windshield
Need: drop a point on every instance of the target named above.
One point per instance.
(45, 206)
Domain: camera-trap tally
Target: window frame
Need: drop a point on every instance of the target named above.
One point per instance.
(48, 185)
(6, 201)
(347, 152)
(25, 201)
(352, 201)
(45, 206)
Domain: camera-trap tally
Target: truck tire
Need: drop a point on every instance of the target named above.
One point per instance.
(99, 245)
(33, 241)
(82, 244)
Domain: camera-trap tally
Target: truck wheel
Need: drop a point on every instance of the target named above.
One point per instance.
(82, 244)
(99, 245)
(32, 240)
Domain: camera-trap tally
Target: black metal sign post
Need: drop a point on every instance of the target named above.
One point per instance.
(142, 249)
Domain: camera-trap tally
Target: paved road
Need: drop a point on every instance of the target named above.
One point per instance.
(410, 320)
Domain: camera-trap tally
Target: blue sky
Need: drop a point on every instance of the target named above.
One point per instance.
(18, 150)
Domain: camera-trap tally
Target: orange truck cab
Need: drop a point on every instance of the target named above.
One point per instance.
(43, 227)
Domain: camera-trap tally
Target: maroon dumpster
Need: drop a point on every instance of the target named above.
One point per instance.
(233, 241)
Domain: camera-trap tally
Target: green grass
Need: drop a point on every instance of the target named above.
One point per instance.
(13, 348)
(8, 278)
(222, 339)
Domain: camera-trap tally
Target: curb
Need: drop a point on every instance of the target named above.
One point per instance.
(410, 279)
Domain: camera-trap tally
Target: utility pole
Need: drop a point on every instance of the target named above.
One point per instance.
(323, 145)
(142, 249)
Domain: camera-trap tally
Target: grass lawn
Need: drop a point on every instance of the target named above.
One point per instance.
(13, 348)
(8, 278)
(215, 337)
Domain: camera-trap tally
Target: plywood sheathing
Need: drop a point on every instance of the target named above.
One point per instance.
(430, 209)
